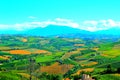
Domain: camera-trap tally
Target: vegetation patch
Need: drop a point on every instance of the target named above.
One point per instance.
(77, 51)
(84, 70)
(23, 52)
(79, 44)
(111, 53)
(5, 57)
(56, 68)
(89, 64)
(4, 48)
(24, 40)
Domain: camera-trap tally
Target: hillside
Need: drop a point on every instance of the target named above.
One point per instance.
(38, 57)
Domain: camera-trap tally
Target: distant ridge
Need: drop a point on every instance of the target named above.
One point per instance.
(64, 31)
(54, 30)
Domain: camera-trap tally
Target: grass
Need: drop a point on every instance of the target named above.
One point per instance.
(4, 48)
(9, 76)
(38, 51)
(69, 61)
(109, 77)
(45, 58)
(111, 53)
(48, 58)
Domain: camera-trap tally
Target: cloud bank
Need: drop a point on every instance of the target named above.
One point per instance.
(90, 25)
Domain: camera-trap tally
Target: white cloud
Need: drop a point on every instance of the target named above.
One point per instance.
(103, 22)
(91, 22)
(112, 23)
(90, 25)
(29, 25)
(66, 22)
(57, 21)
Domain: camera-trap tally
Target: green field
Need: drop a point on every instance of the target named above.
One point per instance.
(101, 56)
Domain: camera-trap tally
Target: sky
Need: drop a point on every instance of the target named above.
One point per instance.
(91, 15)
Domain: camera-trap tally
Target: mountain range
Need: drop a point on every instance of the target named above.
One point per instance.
(63, 31)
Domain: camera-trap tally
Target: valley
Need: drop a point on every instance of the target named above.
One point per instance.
(49, 58)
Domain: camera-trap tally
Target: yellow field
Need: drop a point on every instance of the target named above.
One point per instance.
(38, 51)
(79, 45)
(23, 52)
(77, 57)
(29, 51)
(56, 68)
(116, 74)
(83, 70)
(24, 40)
(89, 64)
(105, 55)
(41, 52)
(5, 57)
(95, 49)
(28, 76)
(67, 55)
(25, 75)
(116, 46)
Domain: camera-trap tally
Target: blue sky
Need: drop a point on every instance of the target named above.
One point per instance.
(84, 14)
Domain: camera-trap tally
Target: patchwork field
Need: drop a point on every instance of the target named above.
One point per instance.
(56, 68)
(23, 52)
(42, 58)
(111, 53)
(89, 64)
(84, 70)
(5, 57)
(67, 55)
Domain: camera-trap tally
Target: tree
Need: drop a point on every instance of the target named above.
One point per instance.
(109, 69)
(118, 70)
(31, 67)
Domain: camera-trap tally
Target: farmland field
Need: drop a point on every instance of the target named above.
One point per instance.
(40, 57)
